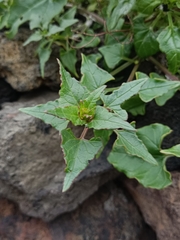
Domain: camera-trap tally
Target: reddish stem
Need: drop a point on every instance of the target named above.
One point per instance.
(84, 132)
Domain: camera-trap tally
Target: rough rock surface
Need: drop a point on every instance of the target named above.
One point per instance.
(161, 209)
(32, 164)
(110, 214)
(20, 66)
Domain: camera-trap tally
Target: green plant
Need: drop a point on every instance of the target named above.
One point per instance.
(115, 34)
(137, 153)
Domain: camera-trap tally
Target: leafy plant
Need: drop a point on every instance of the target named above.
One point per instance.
(137, 153)
(115, 34)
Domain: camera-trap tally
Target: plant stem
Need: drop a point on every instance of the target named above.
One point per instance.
(84, 132)
(96, 17)
(158, 17)
(131, 76)
(119, 69)
(170, 20)
(163, 69)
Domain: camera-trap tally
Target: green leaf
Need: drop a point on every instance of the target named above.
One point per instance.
(134, 105)
(35, 37)
(104, 135)
(144, 39)
(104, 119)
(80, 114)
(153, 176)
(120, 112)
(134, 146)
(154, 88)
(160, 101)
(53, 29)
(89, 40)
(94, 57)
(125, 91)
(169, 42)
(147, 6)
(77, 153)
(69, 59)
(38, 13)
(117, 9)
(173, 151)
(93, 76)
(149, 175)
(94, 96)
(44, 52)
(152, 137)
(40, 111)
(67, 19)
(114, 54)
(71, 91)
(69, 112)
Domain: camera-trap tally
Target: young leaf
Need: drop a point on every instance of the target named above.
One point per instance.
(94, 97)
(134, 146)
(69, 59)
(104, 119)
(125, 91)
(115, 53)
(149, 175)
(69, 112)
(44, 53)
(36, 36)
(173, 151)
(71, 91)
(67, 19)
(169, 42)
(77, 153)
(40, 111)
(93, 76)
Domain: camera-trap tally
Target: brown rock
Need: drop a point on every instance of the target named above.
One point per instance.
(20, 65)
(160, 208)
(32, 164)
(110, 214)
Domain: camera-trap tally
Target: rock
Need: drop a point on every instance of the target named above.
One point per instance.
(20, 66)
(32, 164)
(160, 208)
(7, 93)
(110, 214)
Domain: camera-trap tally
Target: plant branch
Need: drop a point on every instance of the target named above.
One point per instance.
(82, 11)
(84, 132)
(163, 69)
(131, 76)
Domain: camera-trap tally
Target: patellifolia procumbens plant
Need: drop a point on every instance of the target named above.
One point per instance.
(114, 35)
(136, 152)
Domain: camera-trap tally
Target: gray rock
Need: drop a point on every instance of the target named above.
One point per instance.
(109, 214)
(32, 164)
(20, 65)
